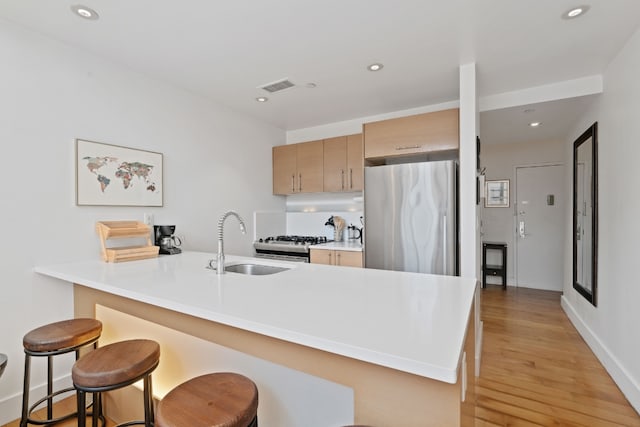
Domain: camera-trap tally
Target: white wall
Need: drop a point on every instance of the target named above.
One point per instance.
(500, 161)
(353, 126)
(214, 160)
(611, 328)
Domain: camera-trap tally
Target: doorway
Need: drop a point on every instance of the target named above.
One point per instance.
(540, 226)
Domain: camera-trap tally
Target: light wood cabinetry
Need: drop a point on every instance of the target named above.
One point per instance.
(336, 257)
(422, 133)
(298, 168)
(335, 164)
(343, 163)
(355, 162)
(329, 165)
(284, 169)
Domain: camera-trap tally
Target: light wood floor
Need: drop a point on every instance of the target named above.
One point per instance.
(536, 369)
(65, 406)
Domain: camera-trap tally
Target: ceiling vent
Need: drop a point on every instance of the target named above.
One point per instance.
(277, 86)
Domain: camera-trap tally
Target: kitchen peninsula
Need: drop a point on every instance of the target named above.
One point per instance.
(403, 342)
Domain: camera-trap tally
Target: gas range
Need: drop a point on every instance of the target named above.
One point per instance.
(293, 248)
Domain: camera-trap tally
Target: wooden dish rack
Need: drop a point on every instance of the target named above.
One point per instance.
(125, 230)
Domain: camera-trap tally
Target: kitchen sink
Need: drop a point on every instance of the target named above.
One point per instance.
(254, 269)
(250, 268)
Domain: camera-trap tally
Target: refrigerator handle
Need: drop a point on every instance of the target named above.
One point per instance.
(444, 244)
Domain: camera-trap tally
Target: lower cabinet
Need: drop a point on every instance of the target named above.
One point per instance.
(336, 257)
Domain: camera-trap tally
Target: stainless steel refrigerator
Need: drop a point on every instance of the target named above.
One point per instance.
(410, 214)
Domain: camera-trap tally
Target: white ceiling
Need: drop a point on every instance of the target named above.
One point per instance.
(224, 50)
(511, 125)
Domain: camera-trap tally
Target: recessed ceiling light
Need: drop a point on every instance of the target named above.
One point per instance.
(311, 85)
(529, 110)
(262, 99)
(575, 12)
(84, 12)
(375, 67)
(534, 124)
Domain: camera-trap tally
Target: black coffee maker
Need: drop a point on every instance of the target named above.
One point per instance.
(164, 237)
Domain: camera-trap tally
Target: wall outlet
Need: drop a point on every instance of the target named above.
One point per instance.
(148, 219)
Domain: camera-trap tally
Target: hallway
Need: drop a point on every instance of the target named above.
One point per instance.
(536, 369)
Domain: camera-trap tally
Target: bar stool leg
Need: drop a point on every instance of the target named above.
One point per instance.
(49, 387)
(148, 402)
(82, 409)
(25, 390)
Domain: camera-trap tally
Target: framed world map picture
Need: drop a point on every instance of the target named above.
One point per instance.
(111, 175)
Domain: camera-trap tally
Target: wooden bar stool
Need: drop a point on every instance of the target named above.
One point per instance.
(221, 399)
(116, 366)
(48, 341)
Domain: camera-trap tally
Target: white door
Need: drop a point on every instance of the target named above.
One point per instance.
(539, 205)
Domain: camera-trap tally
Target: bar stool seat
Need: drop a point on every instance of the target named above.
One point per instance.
(116, 366)
(62, 335)
(48, 341)
(220, 399)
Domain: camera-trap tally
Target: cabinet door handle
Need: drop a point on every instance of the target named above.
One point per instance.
(293, 183)
(338, 258)
(350, 177)
(407, 147)
(300, 183)
(342, 178)
(330, 263)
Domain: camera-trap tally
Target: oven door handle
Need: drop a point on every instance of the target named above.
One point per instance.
(278, 257)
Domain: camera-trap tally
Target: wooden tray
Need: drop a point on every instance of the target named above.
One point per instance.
(125, 230)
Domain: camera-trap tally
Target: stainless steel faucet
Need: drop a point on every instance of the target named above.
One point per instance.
(243, 229)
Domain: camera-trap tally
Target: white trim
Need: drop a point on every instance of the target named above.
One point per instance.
(11, 407)
(467, 221)
(515, 212)
(629, 387)
(479, 348)
(589, 85)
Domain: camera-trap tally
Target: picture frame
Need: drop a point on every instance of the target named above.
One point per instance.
(113, 175)
(496, 193)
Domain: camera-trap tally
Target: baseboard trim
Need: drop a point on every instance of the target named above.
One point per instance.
(11, 407)
(479, 348)
(621, 377)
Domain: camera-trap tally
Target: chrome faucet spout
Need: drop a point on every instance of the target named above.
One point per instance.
(243, 229)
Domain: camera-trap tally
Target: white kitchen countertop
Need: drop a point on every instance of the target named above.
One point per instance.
(407, 321)
(346, 245)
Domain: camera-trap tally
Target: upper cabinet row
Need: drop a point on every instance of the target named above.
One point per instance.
(336, 164)
(434, 132)
(330, 165)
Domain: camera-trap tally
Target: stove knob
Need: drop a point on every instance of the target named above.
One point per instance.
(260, 240)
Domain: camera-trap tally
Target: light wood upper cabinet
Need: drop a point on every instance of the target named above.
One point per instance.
(330, 165)
(423, 133)
(335, 164)
(343, 163)
(355, 163)
(298, 168)
(310, 167)
(336, 257)
(284, 169)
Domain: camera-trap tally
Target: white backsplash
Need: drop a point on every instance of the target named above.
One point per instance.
(266, 224)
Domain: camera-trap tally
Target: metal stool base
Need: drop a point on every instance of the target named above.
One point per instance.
(27, 410)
